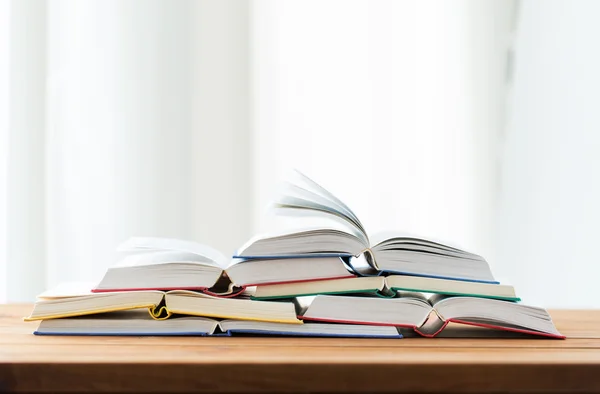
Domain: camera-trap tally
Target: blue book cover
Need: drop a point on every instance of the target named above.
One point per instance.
(127, 334)
(305, 334)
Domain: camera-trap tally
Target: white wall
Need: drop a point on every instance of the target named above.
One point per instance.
(548, 215)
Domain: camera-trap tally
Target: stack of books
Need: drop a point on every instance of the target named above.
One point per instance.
(326, 281)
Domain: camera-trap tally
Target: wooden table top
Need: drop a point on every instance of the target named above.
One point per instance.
(181, 364)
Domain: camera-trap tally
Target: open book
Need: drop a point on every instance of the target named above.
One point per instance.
(167, 264)
(139, 323)
(400, 254)
(428, 317)
(385, 287)
(132, 322)
(69, 300)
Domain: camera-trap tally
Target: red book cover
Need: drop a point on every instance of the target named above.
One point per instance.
(434, 334)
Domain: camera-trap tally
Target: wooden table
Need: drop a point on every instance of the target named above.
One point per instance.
(130, 364)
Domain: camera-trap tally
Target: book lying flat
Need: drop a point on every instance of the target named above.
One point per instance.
(167, 264)
(429, 317)
(75, 299)
(308, 329)
(391, 253)
(72, 302)
(139, 323)
(191, 303)
(124, 323)
(385, 287)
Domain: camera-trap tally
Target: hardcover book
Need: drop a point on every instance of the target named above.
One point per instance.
(428, 317)
(383, 253)
(139, 323)
(173, 264)
(71, 300)
(385, 287)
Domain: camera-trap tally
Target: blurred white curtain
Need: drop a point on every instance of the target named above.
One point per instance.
(125, 118)
(4, 126)
(396, 106)
(177, 118)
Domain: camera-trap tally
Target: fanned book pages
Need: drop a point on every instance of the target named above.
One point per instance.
(70, 300)
(168, 264)
(428, 317)
(385, 287)
(398, 254)
(139, 323)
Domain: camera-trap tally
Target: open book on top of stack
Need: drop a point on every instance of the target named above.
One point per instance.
(307, 262)
(384, 253)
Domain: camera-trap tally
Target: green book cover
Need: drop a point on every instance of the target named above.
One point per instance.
(516, 299)
(367, 292)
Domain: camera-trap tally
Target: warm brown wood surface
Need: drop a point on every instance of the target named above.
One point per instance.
(149, 364)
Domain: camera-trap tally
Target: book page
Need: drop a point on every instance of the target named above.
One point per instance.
(293, 238)
(305, 182)
(434, 299)
(292, 205)
(302, 192)
(316, 201)
(383, 237)
(312, 219)
(415, 295)
(148, 244)
(163, 257)
(68, 289)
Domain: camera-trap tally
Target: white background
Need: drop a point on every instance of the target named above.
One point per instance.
(471, 121)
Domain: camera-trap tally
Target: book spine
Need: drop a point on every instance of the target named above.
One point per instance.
(237, 292)
(159, 312)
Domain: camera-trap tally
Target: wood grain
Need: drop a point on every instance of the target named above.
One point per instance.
(31, 363)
